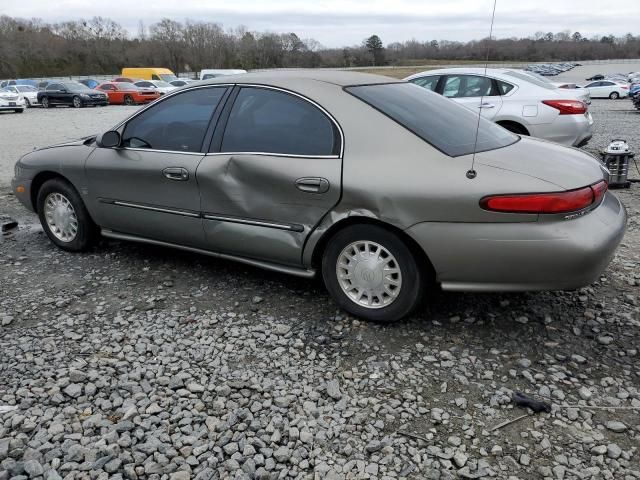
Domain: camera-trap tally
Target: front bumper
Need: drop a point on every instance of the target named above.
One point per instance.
(545, 255)
(95, 101)
(21, 188)
(17, 106)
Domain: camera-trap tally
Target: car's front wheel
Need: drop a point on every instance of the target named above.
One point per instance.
(19, 110)
(372, 273)
(64, 217)
(614, 95)
(77, 102)
(128, 100)
(27, 103)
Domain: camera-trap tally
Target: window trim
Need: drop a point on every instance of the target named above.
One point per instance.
(122, 125)
(227, 112)
(224, 107)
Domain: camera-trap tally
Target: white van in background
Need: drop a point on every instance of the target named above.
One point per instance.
(208, 74)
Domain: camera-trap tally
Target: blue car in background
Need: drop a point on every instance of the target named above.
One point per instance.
(89, 82)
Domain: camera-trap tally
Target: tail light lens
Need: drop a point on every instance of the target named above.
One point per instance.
(624, 87)
(567, 107)
(556, 202)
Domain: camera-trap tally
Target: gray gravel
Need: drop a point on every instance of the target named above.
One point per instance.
(135, 361)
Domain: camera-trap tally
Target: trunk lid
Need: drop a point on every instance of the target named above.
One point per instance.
(568, 168)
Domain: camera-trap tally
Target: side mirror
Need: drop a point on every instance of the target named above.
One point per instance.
(108, 139)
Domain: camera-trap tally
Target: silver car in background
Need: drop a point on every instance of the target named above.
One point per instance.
(27, 92)
(516, 100)
(379, 186)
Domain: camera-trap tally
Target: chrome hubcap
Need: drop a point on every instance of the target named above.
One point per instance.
(61, 217)
(369, 274)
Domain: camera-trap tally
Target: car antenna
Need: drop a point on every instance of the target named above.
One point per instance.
(471, 173)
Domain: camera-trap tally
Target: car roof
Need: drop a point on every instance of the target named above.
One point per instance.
(462, 70)
(341, 78)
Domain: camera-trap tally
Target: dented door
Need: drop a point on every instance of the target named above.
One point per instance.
(264, 206)
(273, 172)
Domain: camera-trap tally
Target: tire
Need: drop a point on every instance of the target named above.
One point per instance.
(614, 95)
(27, 103)
(19, 110)
(76, 102)
(61, 194)
(128, 100)
(385, 245)
(45, 102)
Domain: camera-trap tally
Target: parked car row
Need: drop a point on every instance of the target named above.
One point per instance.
(551, 69)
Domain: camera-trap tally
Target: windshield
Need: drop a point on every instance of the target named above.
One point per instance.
(26, 88)
(449, 127)
(531, 77)
(160, 83)
(75, 86)
(167, 77)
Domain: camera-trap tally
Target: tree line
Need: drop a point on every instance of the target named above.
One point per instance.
(34, 48)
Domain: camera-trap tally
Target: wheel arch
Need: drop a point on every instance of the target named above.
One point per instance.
(421, 256)
(39, 180)
(522, 130)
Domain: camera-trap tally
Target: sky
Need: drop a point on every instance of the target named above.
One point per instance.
(336, 23)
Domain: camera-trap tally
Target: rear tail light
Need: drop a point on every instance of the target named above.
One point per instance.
(624, 87)
(567, 107)
(556, 202)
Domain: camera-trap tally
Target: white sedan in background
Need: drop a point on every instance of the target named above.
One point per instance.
(160, 85)
(607, 89)
(516, 100)
(29, 93)
(11, 101)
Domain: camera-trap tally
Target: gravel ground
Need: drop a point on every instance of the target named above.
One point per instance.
(134, 361)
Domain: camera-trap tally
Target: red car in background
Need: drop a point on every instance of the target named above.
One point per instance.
(124, 93)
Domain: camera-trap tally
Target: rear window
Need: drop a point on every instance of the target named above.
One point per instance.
(531, 77)
(449, 127)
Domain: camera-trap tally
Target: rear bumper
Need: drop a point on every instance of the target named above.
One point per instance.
(546, 255)
(569, 130)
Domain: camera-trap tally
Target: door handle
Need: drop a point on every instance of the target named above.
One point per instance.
(486, 105)
(176, 173)
(312, 184)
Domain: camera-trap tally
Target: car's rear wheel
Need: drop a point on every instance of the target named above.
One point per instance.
(64, 217)
(371, 273)
(45, 102)
(614, 95)
(77, 102)
(128, 100)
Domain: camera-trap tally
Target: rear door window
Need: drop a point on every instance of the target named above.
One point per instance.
(270, 121)
(178, 123)
(467, 86)
(448, 126)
